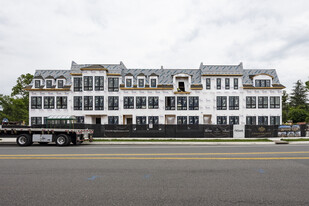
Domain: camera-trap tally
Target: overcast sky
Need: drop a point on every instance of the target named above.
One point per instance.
(147, 34)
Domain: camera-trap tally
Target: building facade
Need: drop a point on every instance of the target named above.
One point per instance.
(114, 94)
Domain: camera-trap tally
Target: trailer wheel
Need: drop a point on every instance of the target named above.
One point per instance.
(24, 140)
(63, 140)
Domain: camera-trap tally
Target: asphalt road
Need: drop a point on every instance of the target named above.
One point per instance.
(154, 175)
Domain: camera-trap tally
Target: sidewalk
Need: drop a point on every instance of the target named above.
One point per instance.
(109, 141)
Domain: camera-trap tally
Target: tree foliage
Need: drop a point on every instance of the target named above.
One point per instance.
(16, 106)
(299, 95)
(298, 115)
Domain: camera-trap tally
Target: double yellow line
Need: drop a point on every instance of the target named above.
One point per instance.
(155, 156)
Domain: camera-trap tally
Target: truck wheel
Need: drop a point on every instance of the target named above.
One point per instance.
(24, 140)
(63, 140)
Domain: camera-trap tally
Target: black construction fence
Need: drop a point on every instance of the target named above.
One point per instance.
(182, 131)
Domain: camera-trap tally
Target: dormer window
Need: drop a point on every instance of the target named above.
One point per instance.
(141, 82)
(181, 86)
(49, 83)
(128, 82)
(262, 83)
(37, 83)
(153, 82)
(60, 83)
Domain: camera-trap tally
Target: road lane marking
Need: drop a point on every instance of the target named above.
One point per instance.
(154, 158)
(151, 154)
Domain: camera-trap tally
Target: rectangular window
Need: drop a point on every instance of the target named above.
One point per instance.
(49, 83)
(36, 102)
(153, 83)
(275, 102)
(153, 120)
(235, 83)
(221, 103)
(37, 83)
(218, 83)
(99, 103)
(62, 102)
(234, 120)
(221, 120)
(128, 102)
(169, 103)
(263, 120)
(140, 102)
(274, 120)
(181, 120)
(181, 103)
(263, 102)
(80, 119)
(208, 84)
(99, 83)
(113, 120)
(262, 83)
(88, 103)
(140, 120)
(128, 82)
(60, 83)
(49, 102)
(153, 102)
(234, 103)
(193, 119)
(250, 102)
(251, 120)
(78, 103)
(77, 84)
(141, 83)
(113, 103)
(193, 103)
(36, 120)
(227, 83)
(113, 84)
(88, 83)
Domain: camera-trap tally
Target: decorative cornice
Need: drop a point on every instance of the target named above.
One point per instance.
(76, 74)
(143, 88)
(282, 87)
(262, 74)
(182, 92)
(111, 74)
(93, 69)
(52, 89)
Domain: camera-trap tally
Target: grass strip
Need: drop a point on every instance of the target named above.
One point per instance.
(182, 140)
(296, 140)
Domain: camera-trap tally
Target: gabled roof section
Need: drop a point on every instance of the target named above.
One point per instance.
(213, 70)
(43, 74)
(249, 73)
(165, 76)
(112, 68)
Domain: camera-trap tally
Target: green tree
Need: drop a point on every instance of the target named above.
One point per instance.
(285, 106)
(307, 85)
(22, 82)
(298, 115)
(16, 106)
(299, 95)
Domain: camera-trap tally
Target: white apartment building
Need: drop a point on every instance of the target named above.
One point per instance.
(114, 94)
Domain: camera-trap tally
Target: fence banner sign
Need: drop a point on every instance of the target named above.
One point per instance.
(289, 131)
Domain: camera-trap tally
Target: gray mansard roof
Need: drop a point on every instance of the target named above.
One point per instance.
(165, 76)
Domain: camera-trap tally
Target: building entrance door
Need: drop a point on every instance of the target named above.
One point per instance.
(98, 120)
(129, 120)
(207, 119)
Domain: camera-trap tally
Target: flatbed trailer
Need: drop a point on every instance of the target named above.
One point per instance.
(26, 136)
